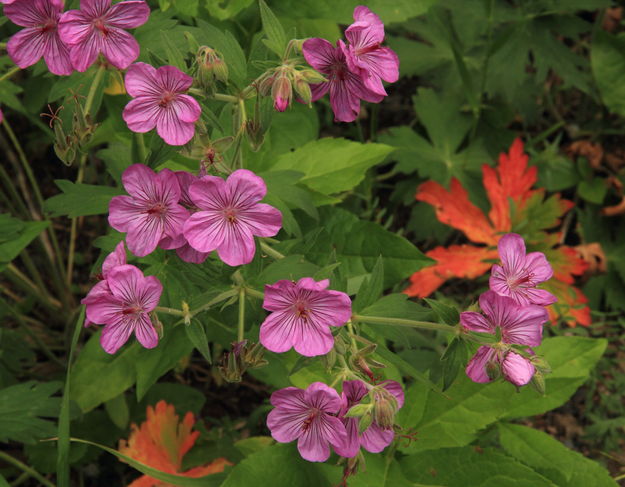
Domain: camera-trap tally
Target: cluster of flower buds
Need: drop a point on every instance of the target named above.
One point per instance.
(243, 356)
(514, 312)
(211, 68)
(68, 146)
(280, 83)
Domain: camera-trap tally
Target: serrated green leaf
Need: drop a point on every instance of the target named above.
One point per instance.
(17, 235)
(608, 68)
(197, 336)
(80, 199)
(447, 314)
(461, 467)
(273, 29)
(471, 407)
(341, 168)
(371, 289)
(550, 458)
(22, 409)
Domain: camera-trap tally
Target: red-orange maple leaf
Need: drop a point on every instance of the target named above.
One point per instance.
(511, 180)
(464, 261)
(162, 441)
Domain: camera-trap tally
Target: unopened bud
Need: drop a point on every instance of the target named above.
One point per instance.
(243, 356)
(211, 67)
(266, 82)
(493, 369)
(365, 422)
(538, 382)
(384, 407)
(302, 88)
(312, 76)
(541, 364)
(281, 92)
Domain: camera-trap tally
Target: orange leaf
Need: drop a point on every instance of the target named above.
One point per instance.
(454, 208)
(456, 261)
(510, 179)
(162, 441)
(571, 304)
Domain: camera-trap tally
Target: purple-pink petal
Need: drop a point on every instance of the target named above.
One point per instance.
(114, 336)
(319, 53)
(517, 369)
(26, 47)
(476, 368)
(172, 129)
(238, 246)
(375, 439)
(114, 259)
(141, 80)
(128, 14)
(120, 48)
(141, 115)
(470, 320)
(246, 187)
(189, 254)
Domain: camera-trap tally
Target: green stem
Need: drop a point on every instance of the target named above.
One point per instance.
(424, 325)
(223, 97)
(25, 468)
(241, 324)
(62, 459)
(254, 293)
(169, 311)
(270, 251)
(27, 285)
(217, 299)
(10, 73)
(141, 149)
(94, 88)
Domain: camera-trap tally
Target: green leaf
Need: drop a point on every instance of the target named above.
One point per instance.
(371, 289)
(462, 467)
(80, 199)
(593, 191)
(276, 38)
(446, 314)
(341, 167)
(382, 471)
(117, 409)
(22, 409)
(608, 68)
(470, 407)
(174, 56)
(16, 236)
(280, 465)
(550, 458)
(358, 244)
(98, 377)
(226, 10)
(197, 336)
(212, 480)
(454, 360)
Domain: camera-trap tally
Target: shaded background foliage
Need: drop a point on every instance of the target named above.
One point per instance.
(475, 75)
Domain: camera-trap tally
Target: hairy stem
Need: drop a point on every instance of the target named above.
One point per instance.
(424, 325)
(270, 251)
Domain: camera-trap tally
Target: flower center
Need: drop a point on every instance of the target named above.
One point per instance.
(230, 214)
(338, 70)
(313, 413)
(301, 310)
(166, 99)
(132, 310)
(100, 25)
(518, 281)
(367, 50)
(158, 209)
(48, 26)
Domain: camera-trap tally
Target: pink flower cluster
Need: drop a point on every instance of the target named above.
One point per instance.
(354, 71)
(122, 301)
(316, 418)
(193, 215)
(514, 307)
(74, 39)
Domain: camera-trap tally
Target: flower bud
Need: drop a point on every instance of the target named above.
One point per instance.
(312, 76)
(493, 369)
(211, 67)
(541, 364)
(243, 356)
(384, 407)
(302, 88)
(538, 382)
(365, 422)
(282, 92)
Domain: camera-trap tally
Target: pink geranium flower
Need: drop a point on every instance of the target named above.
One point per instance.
(230, 215)
(346, 87)
(151, 214)
(302, 314)
(519, 274)
(309, 417)
(113, 260)
(364, 54)
(40, 37)
(186, 252)
(125, 309)
(99, 28)
(519, 325)
(159, 101)
(375, 438)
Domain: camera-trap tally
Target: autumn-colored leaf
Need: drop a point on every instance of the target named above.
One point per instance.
(571, 305)
(464, 261)
(454, 208)
(162, 441)
(511, 179)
